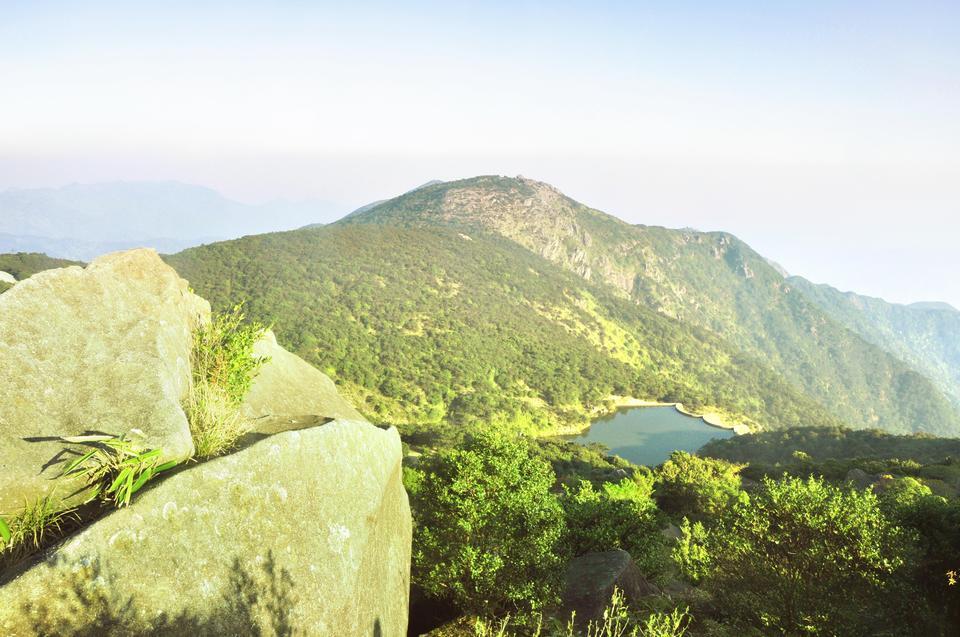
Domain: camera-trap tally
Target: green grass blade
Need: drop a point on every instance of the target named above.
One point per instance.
(166, 466)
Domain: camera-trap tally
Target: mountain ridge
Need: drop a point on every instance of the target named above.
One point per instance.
(708, 279)
(924, 335)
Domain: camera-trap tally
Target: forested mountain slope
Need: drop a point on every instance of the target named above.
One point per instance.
(430, 324)
(25, 264)
(925, 335)
(711, 281)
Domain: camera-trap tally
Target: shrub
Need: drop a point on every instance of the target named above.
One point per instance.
(617, 516)
(690, 553)
(804, 557)
(617, 620)
(697, 487)
(487, 526)
(223, 354)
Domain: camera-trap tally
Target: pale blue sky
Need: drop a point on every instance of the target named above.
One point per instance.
(825, 134)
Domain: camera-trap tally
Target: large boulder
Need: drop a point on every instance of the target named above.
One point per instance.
(306, 532)
(591, 579)
(288, 391)
(860, 479)
(105, 348)
(6, 277)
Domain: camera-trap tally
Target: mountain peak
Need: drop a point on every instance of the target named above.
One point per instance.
(495, 203)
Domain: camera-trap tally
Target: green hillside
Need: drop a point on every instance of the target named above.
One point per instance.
(711, 281)
(927, 336)
(428, 324)
(25, 264)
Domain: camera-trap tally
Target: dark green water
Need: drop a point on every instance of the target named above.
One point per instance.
(647, 435)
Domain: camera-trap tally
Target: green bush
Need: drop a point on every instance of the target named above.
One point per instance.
(690, 552)
(697, 487)
(805, 558)
(487, 526)
(617, 516)
(223, 353)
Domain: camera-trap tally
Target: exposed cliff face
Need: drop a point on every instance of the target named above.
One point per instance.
(305, 530)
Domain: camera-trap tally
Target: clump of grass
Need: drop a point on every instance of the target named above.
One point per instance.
(26, 531)
(112, 472)
(223, 354)
(224, 367)
(115, 468)
(215, 422)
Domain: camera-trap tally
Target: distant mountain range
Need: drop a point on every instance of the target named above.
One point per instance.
(81, 221)
(925, 335)
(493, 296)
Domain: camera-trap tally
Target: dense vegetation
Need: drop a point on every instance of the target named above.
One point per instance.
(708, 280)
(431, 325)
(824, 443)
(787, 555)
(842, 455)
(25, 264)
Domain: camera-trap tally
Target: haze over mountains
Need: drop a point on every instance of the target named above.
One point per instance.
(82, 221)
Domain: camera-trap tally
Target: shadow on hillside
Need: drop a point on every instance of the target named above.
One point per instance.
(81, 601)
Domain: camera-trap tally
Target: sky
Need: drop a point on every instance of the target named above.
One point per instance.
(825, 134)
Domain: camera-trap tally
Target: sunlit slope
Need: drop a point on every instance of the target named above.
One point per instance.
(429, 324)
(711, 281)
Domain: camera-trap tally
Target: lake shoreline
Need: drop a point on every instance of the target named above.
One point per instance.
(614, 403)
(647, 432)
(618, 403)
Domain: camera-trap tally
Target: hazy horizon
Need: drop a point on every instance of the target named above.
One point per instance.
(825, 135)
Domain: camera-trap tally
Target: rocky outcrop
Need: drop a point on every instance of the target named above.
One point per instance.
(106, 349)
(591, 579)
(6, 277)
(290, 393)
(307, 532)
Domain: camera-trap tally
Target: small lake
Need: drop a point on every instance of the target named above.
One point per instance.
(647, 435)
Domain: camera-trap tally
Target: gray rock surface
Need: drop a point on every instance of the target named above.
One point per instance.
(6, 277)
(860, 478)
(289, 392)
(306, 532)
(591, 579)
(105, 348)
